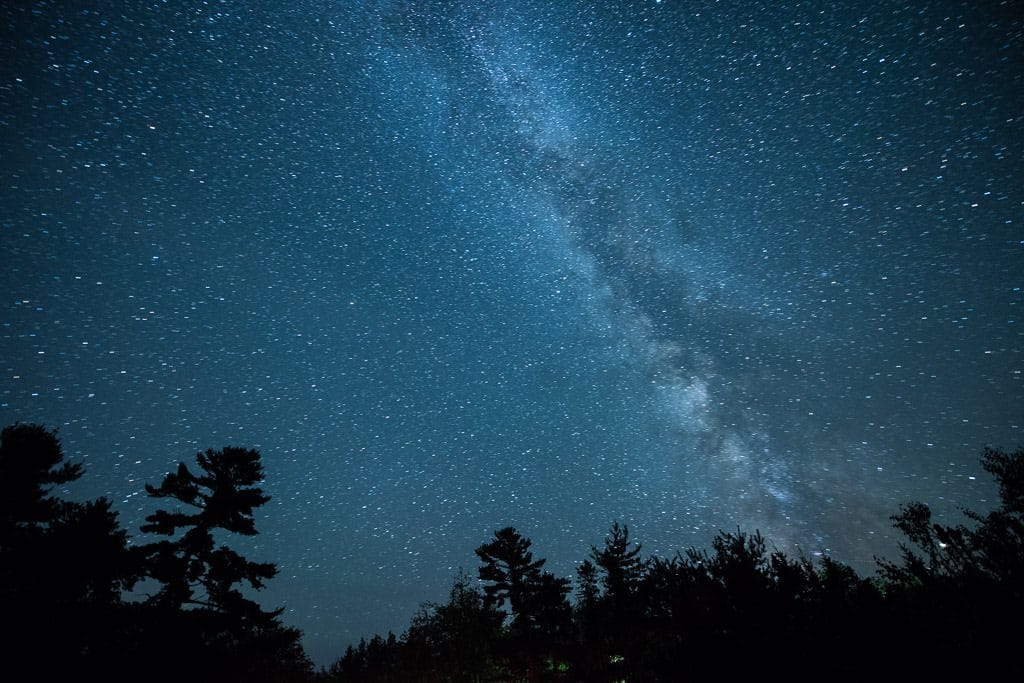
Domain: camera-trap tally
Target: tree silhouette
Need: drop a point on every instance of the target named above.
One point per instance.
(458, 640)
(379, 660)
(621, 565)
(993, 550)
(541, 614)
(587, 590)
(191, 570)
(31, 464)
(614, 625)
(999, 539)
(960, 589)
(63, 565)
(509, 569)
(950, 606)
(200, 584)
(65, 568)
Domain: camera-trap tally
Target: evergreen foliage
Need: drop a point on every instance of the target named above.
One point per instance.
(63, 565)
(950, 605)
(66, 572)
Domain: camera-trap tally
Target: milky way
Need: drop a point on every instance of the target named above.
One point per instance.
(457, 266)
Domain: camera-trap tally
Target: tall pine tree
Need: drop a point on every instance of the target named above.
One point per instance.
(201, 583)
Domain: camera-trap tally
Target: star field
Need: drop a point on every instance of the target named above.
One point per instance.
(458, 266)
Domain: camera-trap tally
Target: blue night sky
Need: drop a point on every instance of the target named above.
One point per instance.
(458, 266)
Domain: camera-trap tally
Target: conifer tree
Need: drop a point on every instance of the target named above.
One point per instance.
(201, 583)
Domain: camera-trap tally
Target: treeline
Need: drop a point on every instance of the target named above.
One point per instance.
(952, 604)
(81, 602)
(67, 570)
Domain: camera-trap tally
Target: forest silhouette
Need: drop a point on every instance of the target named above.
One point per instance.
(950, 604)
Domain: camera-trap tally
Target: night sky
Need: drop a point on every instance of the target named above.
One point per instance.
(458, 266)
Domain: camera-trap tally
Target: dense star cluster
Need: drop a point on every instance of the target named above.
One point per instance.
(458, 266)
